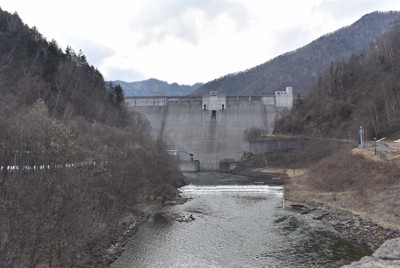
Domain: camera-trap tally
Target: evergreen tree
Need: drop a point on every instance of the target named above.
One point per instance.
(119, 94)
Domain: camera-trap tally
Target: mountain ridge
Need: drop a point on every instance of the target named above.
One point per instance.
(155, 86)
(301, 67)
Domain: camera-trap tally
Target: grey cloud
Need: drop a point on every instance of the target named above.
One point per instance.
(163, 19)
(127, 75)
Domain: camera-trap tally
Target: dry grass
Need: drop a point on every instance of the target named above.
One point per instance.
(344, 171)
(358, 183)
(367, 154)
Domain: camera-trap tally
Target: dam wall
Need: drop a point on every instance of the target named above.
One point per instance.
(186, 123)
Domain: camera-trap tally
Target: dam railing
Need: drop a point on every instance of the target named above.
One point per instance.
(164, 100)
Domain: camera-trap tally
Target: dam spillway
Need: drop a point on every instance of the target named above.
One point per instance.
(210, 127)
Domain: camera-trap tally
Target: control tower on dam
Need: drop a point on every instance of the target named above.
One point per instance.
(211, 127)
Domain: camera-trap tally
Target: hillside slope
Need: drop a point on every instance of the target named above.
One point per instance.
(73, 161)
(300, 68)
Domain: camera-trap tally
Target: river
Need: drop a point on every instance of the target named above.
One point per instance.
(239, 222)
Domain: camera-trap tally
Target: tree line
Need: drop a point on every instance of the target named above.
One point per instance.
(55, 108)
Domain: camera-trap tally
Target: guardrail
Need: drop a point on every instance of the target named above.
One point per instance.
(47, 167)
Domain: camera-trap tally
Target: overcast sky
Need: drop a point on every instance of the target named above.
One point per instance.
(187, 41)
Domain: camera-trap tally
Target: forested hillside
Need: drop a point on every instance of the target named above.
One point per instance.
(302, 67)
(83, 162)
(361, 90)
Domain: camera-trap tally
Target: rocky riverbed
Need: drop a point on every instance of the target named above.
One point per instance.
(348, 225)
(385, 241)
(106, 248)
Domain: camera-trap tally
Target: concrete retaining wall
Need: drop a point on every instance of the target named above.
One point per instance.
(189, 166)
(275, 145)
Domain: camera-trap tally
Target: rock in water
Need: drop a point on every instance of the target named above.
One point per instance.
(388, 256)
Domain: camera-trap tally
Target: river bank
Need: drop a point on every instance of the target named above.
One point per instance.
(345, 213)
(353, 214)
(104, 250)
(350, 226)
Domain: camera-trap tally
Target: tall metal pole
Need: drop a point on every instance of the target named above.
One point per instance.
(362, 138)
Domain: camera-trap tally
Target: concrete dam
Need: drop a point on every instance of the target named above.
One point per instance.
(212, 127)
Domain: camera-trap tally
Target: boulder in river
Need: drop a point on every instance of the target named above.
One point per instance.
(185, 218)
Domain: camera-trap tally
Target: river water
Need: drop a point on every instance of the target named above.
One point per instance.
(239, 222)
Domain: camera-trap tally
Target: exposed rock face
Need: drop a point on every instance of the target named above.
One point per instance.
(388, 256)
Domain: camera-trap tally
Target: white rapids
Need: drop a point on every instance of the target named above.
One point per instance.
(214, 189)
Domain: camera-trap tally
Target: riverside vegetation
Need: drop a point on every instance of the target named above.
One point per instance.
(55, 110)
